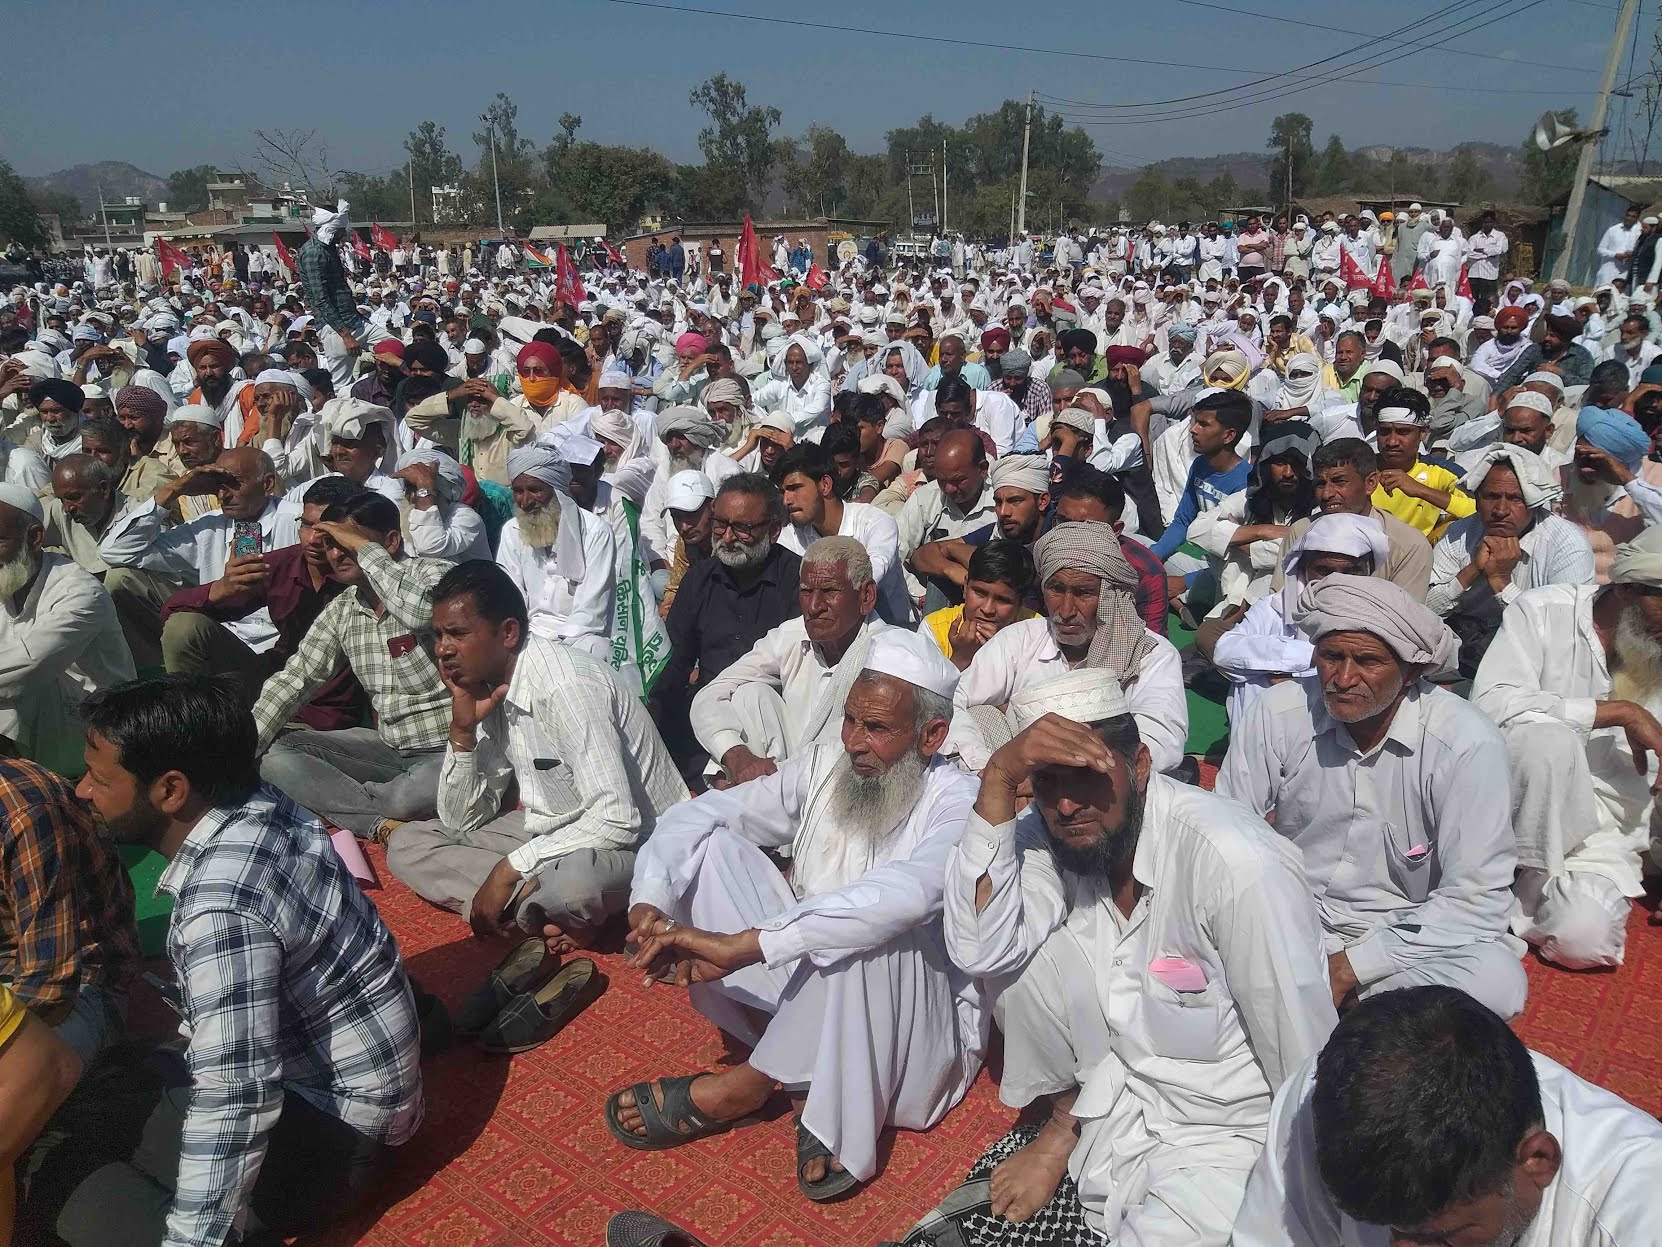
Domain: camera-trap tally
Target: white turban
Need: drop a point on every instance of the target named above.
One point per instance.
(1337, 532)
(881, 383)
(1540, 485)
(448, 481)
(1341, 603)
(329, 224)
(1026, 472)
(196, 413)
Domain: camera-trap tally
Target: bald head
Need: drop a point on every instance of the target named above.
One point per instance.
(961, 467)
(252, 482)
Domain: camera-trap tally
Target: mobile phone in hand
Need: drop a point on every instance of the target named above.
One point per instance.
(245, 538)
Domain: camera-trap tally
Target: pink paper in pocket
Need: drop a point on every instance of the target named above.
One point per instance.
(1179, 974)
(1418, 853)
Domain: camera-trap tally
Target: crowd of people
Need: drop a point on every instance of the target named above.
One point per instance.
(820, 633)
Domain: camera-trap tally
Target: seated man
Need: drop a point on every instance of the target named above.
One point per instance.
(84, 502)
(1267, 647)
(562, 559)
(1612, 490)
(591, 771)
(363, 446)
(838, 979)
(148, 560)
(60, 639)
(1426, 1120)
(132, 442)
(197, 434)
(726, 603)
(301, 1075)
(1087, 495)
(440, 524)
(781, 696)
(954, 501)
(806, 478)
(688, 499)
(1091, 622)
(689, 441)
(999, 582)
(68, 945)
(1395, 792)
(364, 779)
(1425, 496)
(1513, 543)
(1574, 679)
(1124, 925)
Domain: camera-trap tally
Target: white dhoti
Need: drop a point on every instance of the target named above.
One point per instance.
(881, 1038)
(1135, 1187)
(341, 362)
(1584, 817)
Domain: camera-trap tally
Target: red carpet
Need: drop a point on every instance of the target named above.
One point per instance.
(515, 1151)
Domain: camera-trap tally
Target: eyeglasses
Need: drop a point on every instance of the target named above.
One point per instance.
(744, 532)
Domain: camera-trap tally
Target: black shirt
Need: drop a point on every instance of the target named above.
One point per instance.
(713, 622)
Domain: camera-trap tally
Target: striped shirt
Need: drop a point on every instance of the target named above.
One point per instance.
(1554, 552)
(391, 654)
(289, 983)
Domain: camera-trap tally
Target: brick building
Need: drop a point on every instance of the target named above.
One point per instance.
(821, 233)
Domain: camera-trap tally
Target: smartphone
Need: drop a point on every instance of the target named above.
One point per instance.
(245, 538)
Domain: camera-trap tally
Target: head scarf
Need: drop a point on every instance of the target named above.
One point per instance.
(23, 499)
(1301, 391)
(1235, 365)
(1639, 562)
(543, 463)
(723, 390)
(448, 481)
(1121, 641)
(1342, 603)
(882, 383)
(619, 428)
(142, 399)
(1026, 472)
(1336, 532)
(205, 348)
(1540, 485)
(1614, 432)
(690, 423)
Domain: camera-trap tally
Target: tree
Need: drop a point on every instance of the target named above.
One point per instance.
(431, 164)
(1222, 192)
(738, 142)
(1467, 181)
(614, 186)
(1148, 197)
(61, 204)
(1290, 139)
(19, 221)
(373, 197)
(296, 159)
(187, 189)
(816, 173)
(1548, 176)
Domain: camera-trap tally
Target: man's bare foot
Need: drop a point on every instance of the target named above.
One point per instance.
(1024, 1183)
(561, 941)
(727, 1096)
(814, 1170)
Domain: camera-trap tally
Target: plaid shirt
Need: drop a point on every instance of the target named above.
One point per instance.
(328, 291)
(392, 655)
(1038, 405)
(289, 983)
(66, 904)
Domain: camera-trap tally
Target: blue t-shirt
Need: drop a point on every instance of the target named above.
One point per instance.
(1203, 490)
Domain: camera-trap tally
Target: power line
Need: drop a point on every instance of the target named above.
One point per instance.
(1343, 30)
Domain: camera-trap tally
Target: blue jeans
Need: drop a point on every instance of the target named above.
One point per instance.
(98, 1020)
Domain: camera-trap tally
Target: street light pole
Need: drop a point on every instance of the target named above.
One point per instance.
(1589, 145)
(490, 129)
(1026, 133)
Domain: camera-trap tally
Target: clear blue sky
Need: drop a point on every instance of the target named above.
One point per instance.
(188, 82)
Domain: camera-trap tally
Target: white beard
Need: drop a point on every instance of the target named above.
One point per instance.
(539, 529)
(1636, 674)
(1590, 499)
(679, 464)
(17, 572)
(869, 807)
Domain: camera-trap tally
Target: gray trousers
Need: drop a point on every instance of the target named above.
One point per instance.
(578, 889)
(352, 778)
(139, 596)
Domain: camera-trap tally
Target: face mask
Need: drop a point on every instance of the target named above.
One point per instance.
(540, 391)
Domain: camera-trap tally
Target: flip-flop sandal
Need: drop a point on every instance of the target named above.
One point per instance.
(531, 1019)
(526, 968)
(642, 1229)
(835, 1182)
(670, 1124)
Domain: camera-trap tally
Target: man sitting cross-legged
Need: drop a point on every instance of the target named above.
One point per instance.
(1155, 961)
(838, 978)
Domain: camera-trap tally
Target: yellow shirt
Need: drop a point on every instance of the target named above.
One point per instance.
(940, 624)
(11, 1019)
(1416, 512)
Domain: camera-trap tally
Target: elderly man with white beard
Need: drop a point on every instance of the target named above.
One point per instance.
(1155, 962)
(692, 440)
(60, 639)
(560, 557)
(838, 979)
(1574, 679)
(1395, 791)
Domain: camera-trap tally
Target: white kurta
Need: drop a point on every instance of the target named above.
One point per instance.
(1604, 1194)
(563, 608)
(1025, 654)
(866, 1012)
(1408, 847)
(1175, 1082)
(1261, 646)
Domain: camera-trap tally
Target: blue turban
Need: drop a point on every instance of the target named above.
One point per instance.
(1614, 432)
(1182, 329)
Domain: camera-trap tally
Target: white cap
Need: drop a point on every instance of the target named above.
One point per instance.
(1088, 695)
(1533, 401)
(473, 346)
(581, 451)
(1550, 378)
(1415, 208)
(23, 499)
(689, 490)
(916, 659)
(1387, 366)
(195, 413)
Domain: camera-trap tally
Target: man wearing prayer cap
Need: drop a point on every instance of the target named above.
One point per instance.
(1092, 621)
(60, 639)
(560, 557)
(1573, 677)
(1513, 543)
(861, 1017)
(1391, 787)
(1611, 489)
(1157, 1119)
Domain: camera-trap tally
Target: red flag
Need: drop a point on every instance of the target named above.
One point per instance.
(568, 287)
(360, 248)
(171, 257)
(1383, 286)
(1463, 287)
(612, 253)
(817, 278)
(382, 237)
(283, 253)
(753, 269)
(1419, 282)
(1350, 272)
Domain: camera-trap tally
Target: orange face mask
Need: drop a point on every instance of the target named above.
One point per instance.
(540, 391)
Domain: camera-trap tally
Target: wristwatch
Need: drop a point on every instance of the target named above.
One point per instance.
(422, 493)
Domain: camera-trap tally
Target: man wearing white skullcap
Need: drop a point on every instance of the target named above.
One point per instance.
(1573, 678)
(560, 557)
(867, 1024)
(1102, 918)
(1514, 542)
(60, 639)
(1392, 788)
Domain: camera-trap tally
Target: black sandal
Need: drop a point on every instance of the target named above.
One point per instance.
(835, 1182)
(676, 1121)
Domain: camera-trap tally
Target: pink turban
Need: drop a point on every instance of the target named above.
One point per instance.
(691, 344)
